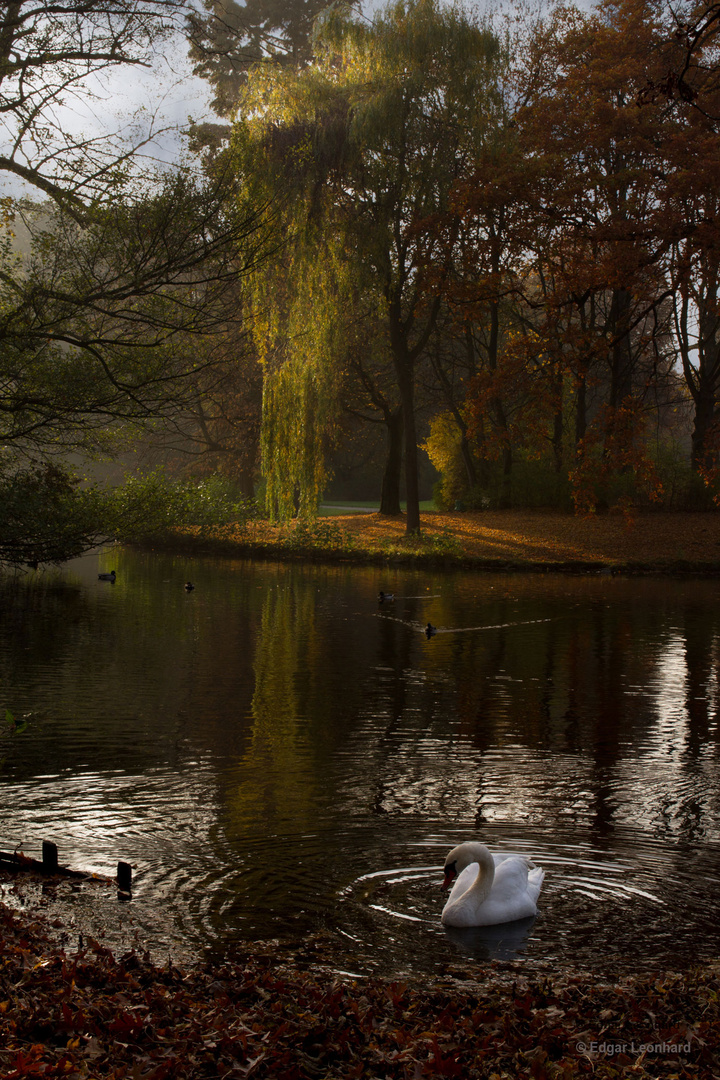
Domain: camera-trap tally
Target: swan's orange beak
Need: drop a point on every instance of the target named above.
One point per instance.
(449, 875)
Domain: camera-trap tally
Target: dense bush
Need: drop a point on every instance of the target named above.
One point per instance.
(47, 515)
(153, 504)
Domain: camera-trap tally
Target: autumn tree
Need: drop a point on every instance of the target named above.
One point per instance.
(605, 255)
(690, 217)
(366, 143)
(487, 362)
(559, 241)
(688, 74)
(499, 386)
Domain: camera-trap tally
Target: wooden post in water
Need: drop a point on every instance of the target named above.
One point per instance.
(49, 857)
(124, 877)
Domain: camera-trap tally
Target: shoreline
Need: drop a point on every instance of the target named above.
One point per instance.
(87, 1013)
(499, 541)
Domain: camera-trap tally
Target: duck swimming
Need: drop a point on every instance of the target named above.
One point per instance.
(430, 630)
(383, 596)
(108, 577)
(489, 889)
(189, 586)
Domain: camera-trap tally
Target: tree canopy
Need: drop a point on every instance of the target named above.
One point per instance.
(52, 53)
(499, 238)
(519, 223)
(366, 143)
(121, 272)
(95, 322)
(227, 39)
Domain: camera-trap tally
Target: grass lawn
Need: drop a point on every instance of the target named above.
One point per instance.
(338, 507)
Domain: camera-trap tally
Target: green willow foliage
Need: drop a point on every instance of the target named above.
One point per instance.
(356, 149)
(299, 343)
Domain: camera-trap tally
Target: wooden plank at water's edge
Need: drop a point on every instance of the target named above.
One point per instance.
(18, 862)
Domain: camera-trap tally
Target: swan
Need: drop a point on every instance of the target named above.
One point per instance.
(490, 889)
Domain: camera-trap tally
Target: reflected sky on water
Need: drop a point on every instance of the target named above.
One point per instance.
(282, 758)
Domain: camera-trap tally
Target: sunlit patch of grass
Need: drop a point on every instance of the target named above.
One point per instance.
(317, 536)
(424, 543)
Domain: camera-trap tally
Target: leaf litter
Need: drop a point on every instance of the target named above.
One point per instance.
(93, 1015)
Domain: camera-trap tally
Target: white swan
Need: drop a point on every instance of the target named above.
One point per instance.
(490, 889)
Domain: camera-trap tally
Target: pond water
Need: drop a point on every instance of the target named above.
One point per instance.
(284, 760)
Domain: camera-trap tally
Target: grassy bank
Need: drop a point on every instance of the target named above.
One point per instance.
(491, 540)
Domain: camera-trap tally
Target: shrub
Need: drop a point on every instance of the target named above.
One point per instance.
(154, 504)
(46, 517)
(317, 535)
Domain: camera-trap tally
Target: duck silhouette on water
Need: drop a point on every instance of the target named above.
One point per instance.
(108, 577)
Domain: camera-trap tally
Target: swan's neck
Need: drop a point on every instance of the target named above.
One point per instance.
(481, 886)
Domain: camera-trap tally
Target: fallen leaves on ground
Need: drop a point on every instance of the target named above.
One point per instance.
(91, 1015)
(658, 542)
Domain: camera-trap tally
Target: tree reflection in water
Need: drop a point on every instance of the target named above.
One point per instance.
(266, 741)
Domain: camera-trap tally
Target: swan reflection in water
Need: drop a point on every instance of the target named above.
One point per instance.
(502, 942)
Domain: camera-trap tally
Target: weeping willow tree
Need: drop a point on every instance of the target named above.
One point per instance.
(301, 344)
(363, 146)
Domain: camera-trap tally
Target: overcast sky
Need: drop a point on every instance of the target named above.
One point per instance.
(128, 98)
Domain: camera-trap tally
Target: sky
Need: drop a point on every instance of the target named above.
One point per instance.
(163, 97)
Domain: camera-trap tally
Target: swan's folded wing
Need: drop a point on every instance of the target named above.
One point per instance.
(511, 879)
(535, 880)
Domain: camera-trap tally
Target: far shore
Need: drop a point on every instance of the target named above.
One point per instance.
(497, 540)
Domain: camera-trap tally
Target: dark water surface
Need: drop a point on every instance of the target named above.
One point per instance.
(281, 758)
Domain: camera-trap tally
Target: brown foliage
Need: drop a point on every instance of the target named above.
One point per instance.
(89, 1014)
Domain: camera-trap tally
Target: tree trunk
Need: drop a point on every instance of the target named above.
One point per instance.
(621, 361)
(404, 364)
(412, 492)
(704, 418)
(466, 454)
(558, 425)
(580, 411)
(498, 409)
(506, 483)
(703, 377)
(390, 495)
